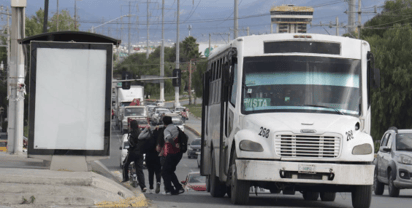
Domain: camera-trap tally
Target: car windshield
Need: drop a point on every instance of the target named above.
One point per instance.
(134, 111)
(177, 122)
(142, 122)
(126, 145)
(197, 178)
(179, 109)
(123, 104)
(196, 142)
(301, 84)
(163, 111)
(404, 141)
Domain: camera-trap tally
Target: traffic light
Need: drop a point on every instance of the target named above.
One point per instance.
(177, 73)
(126, 75)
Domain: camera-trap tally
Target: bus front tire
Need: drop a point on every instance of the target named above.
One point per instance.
(310, 196)
(239, 189)
(217, 189)
(361, 196)
(328, 196)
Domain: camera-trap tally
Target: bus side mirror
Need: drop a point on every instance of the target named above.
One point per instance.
(377, 78)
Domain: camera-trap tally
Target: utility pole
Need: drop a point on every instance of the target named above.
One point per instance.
(236, 14)
(16, 80)
(190, 82)
(271, 28)
(147, 39)
(210, 44)
(162, 56)
(46, 14)
(128, 26)
(337, 26)
(75, 14)
(57, 17)
(247, 30)
(351, 16)
(8, 45)
(190, 28)
(359, 18)
(177, 53)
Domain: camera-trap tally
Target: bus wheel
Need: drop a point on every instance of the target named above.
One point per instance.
(328, 196)
(217, 189)
(239, 189)
(310, 196)
(361, 196)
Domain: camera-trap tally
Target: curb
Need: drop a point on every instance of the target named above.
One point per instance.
(194, 131)
(139, 200)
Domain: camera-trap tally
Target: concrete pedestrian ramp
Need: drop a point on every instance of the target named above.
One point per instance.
(24, 187)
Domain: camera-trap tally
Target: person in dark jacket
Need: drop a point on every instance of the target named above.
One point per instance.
(135, 154)
(153, 161)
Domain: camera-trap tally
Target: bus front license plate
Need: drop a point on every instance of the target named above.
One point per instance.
(309, 169)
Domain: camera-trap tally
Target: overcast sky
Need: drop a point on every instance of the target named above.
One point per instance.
(205, 16)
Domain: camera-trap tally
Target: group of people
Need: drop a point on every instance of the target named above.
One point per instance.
(163, 154)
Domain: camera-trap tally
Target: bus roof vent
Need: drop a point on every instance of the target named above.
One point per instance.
(302, 47)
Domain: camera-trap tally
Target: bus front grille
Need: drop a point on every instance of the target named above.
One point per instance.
(294, 146)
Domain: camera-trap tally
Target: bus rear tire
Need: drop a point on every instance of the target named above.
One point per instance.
(239, 189)
(217, 189)
(310, 196)
(328, 196)
(361, 196)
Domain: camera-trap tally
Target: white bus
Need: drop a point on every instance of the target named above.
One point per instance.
(289, 112)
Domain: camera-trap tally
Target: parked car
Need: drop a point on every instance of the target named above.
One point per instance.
(123, 154)
(194, 148)
(194, 182)
(393, 165)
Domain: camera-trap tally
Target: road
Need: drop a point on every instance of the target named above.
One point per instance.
(204, 200)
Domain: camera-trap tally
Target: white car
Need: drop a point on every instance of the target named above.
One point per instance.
(123, 148)
(158, 113)
(123, 154)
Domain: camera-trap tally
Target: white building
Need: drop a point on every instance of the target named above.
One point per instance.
(291, 19)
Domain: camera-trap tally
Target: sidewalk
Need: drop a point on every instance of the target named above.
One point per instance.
(28, 182)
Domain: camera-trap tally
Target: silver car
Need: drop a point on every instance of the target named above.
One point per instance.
(393, 165)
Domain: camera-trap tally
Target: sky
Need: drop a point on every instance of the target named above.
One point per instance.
(204, 16)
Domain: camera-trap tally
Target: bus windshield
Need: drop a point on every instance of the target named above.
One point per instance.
(301, 84)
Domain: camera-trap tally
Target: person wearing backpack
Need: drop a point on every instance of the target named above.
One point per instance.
(153, 161)
(173, 155)
(137, 141)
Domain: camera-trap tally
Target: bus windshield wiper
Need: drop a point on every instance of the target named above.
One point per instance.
(324, 106)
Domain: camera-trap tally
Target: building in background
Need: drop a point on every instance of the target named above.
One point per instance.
(291, 18)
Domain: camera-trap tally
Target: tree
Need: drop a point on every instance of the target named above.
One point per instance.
(191, 51)
(391, 104)
(34, 24)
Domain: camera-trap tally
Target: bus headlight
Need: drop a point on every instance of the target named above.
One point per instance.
(247, 145)
(363, 149)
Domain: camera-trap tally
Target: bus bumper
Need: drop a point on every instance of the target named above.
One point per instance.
(304, 172)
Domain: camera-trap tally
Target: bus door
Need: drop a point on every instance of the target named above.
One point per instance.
(205, 162)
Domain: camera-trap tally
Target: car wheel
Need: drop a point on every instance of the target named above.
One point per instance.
(310, 196)
(328, 196)
(361, 196)
(393, 191)
(239, 188)
(378, 187)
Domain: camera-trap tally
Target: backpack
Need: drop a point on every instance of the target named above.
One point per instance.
(182, 140)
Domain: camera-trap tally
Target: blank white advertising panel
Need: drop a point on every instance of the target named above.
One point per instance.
(70, 99)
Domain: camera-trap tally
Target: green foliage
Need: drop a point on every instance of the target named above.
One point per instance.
(391, 104)
(34, 24)
(197, 77)
(139, 65)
